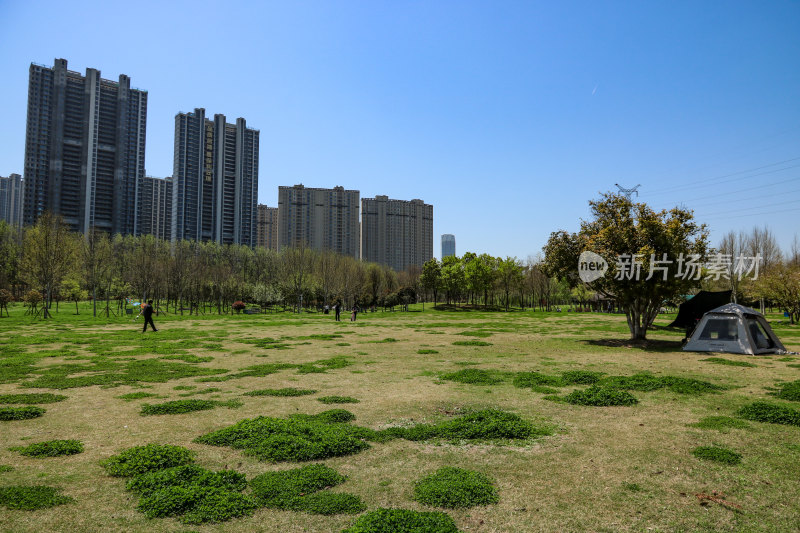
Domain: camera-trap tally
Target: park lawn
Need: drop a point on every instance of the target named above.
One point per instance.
(627, 468)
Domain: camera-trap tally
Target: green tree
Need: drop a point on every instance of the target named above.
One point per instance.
(431, 277)
(10, 252)
(781, 284)
(5, 298)
(480, 274)
(96, 256)
(49, 255)
(628, 234)
(453, 280)
(509, 276)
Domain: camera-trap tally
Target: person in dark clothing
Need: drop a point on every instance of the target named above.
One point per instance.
(355, 313)
(338, 309)
(148, 316)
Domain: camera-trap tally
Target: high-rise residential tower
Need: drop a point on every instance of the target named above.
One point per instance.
(214, 179)
(84, 148)
(155, 207)
(267, 224)
(448, 245)
(11, 199)
(323, 219)
(396, 233)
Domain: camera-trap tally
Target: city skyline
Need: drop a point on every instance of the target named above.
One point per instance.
(553, 103)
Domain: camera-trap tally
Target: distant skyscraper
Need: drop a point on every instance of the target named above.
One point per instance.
(448, 245)
(84, 148)
(155, 207)
(215, 179)
(397, 233)
(11, 199)
(325, 219)
(267, 224)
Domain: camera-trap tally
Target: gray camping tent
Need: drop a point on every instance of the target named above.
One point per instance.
(734, 328)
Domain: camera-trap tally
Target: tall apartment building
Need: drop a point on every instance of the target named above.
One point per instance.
(396, 233)
(448, 245)
(11, 199)
(214, 179)
(155, 207)
(84, 148)
(325, 219)
(267, 227)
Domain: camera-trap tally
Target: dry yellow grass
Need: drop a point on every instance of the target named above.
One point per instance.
(604, 469)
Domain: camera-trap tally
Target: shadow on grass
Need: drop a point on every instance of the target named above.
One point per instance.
(645, 345)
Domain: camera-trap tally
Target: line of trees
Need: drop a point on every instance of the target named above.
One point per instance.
(47, 264)
(778, 280)
(183, 277)
(483, 280)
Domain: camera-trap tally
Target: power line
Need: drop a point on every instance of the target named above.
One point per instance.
(748, 208)
(709, 182)
(757, 187)
(770, 212)
(782, 193)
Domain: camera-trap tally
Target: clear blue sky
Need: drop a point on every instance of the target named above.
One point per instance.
(507, 116)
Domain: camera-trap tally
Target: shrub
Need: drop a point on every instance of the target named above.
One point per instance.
(217, 505)
(770, 412)
(238, 306)
(541, 389)
(580, 377)
(33, 297)
(283, 489)
(720, 423)
(717, 454)
(142, 459)
(20, 413)
(690, 386)
(426, 351)
(455, 488)
(789, 391)
(331, 416)
(51, 448)
(471, 343)
(281, 392)
(176, 407)
(185, 476)
(36, 398)
(474, 376)
(196, 503)
(403, 521)
(600, 396)
(486, 424)
(137, 396)
(645, 382)
(194, 493)
(338, 399)
(31, 498)
(297, 438)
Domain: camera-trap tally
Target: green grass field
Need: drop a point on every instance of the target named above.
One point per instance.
(577, 429)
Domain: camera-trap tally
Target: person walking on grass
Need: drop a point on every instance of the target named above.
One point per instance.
(148, 316)
(338, 309)
(355, 313)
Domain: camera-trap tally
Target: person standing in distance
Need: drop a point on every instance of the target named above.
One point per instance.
(338, 309)
(148, 316)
